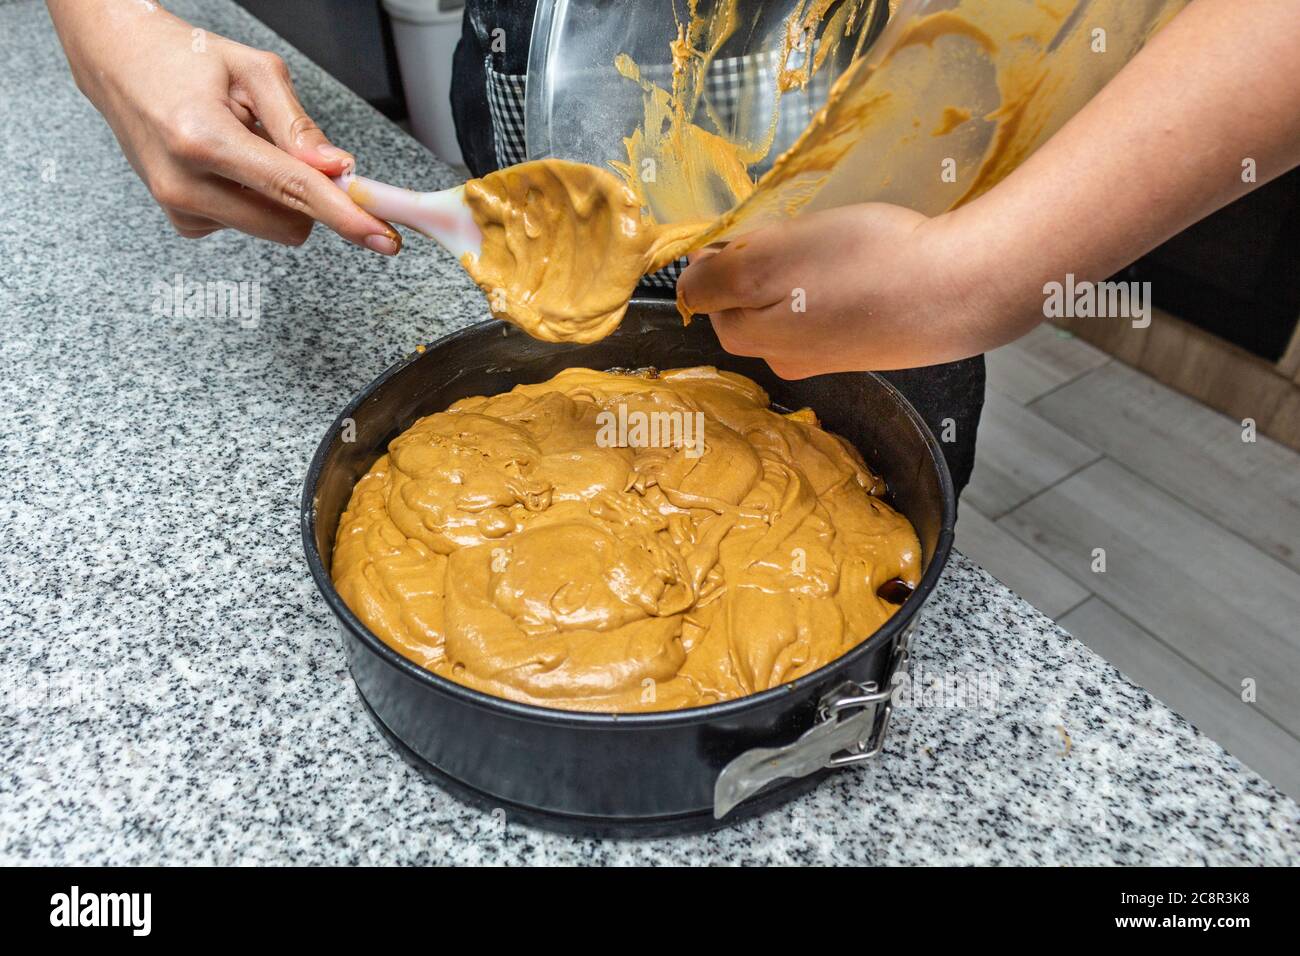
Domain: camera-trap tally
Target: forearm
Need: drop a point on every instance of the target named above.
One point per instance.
(88, 29)
(1161, 147)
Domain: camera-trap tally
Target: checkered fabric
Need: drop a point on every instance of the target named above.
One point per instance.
(505, 93)
(724, 82)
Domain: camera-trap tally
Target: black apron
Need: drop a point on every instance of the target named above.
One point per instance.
(487, 95)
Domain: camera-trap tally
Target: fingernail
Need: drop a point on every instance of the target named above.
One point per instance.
(335, 155)
(384, 245)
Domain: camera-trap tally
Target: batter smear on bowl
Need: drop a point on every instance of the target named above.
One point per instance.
(622, 542)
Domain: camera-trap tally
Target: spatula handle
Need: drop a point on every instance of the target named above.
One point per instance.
(442, 216)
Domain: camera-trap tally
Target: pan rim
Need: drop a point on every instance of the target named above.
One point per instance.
(886, 633)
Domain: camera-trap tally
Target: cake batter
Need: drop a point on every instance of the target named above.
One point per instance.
(515, 545)
(564, 245)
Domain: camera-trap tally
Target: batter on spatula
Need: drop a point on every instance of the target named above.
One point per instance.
(564, 245)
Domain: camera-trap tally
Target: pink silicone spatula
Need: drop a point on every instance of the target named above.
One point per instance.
(442, 216)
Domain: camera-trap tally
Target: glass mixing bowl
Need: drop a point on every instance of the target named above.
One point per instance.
(579, 106)
(936, 106)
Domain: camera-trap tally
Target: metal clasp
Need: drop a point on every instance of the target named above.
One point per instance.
(852, 721)
(868, 696)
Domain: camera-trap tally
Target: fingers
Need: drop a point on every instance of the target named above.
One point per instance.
(208, 203)
(705, 253)
(740, 331)
(265, 79)
(772, 333)
(189, 226)
(251, 161)
(239, 208)
(740, 276)
(256, 215)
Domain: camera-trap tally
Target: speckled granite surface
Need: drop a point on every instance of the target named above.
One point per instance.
(174, 688)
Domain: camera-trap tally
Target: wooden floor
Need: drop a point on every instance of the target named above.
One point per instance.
(1083, 459)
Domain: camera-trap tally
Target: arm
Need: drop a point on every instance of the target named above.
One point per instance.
(1159, 148)
(211, 126)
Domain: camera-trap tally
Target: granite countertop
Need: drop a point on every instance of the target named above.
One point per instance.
(174, 687)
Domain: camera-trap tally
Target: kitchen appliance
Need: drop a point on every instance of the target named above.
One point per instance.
(425, 33)
(628, 774)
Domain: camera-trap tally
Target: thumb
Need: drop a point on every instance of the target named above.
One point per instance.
(265, 79)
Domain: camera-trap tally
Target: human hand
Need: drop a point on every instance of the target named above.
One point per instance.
(213, 127)
(880, 287)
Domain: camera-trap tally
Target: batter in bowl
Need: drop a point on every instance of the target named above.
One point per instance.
(622, 542)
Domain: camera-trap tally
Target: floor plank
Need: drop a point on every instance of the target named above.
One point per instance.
(1188, 450)
(1044, 359)
(1019, 454)
(1217, 711)
(1196, 586)
(1007, 559)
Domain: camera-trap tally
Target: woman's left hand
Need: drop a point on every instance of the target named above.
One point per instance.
(865, 287)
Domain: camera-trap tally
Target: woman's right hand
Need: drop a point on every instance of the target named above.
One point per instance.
(213, 127)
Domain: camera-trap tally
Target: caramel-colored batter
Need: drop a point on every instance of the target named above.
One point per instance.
(560, 545)
(1045, 69)
(702, 164)
(564, 245)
